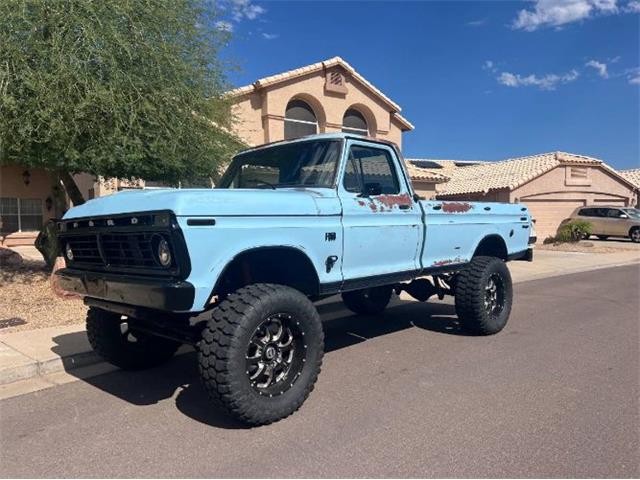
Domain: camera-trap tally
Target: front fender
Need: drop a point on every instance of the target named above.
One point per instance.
(212, 248)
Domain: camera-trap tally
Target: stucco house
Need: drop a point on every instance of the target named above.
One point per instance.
(328, 96)
(552, 185)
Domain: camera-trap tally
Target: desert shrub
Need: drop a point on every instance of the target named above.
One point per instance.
(549, 239)
(573, 231)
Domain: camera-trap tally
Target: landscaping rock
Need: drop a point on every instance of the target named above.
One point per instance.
(9, 258)
(54, 281)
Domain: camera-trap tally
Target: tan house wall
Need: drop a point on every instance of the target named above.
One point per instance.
(260, 113)
(599, 186)
(426, 190)
(40, 187)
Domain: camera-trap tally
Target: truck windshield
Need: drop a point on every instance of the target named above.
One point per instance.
(299, 164)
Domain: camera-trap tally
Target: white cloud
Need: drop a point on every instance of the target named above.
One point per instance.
(633, 75)
(555, 13)
(489, 65)
(224, 26)
(477, 23)
(546, 82)
(270, 36)
(600, 67)
(245, 9)
(633, 7)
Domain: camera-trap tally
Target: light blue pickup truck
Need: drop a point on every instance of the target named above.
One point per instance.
(234, 270)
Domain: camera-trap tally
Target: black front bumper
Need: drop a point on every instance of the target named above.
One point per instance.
(160, 294)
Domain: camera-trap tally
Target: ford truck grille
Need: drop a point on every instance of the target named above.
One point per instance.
(126, 244)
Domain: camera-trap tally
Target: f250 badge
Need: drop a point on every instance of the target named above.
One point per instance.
(330, 236)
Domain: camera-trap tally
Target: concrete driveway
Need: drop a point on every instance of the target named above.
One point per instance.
(407, 394)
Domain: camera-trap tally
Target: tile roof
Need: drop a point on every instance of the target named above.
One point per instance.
(298, 72)
(633, 175)
(425, 174)
(512, 173)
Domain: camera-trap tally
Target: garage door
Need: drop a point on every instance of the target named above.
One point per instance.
(549, 214)
(608, 201)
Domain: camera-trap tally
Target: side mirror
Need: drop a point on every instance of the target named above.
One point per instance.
(623, 215)
(371, 189)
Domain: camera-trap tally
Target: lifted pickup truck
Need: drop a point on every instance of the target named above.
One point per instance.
(234, 271)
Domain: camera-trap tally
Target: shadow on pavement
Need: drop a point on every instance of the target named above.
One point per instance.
(179, 377)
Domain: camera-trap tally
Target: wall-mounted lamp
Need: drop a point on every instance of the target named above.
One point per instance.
(48, 203)
(26, 177)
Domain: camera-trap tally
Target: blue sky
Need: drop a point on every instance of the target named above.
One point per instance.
(479, 80)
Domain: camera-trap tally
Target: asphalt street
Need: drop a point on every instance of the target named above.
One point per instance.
(555, 394)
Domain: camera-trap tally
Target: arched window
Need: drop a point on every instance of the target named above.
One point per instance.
(299, 120)
(354, 122)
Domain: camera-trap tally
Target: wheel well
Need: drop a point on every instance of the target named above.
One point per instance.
(635, 227)
(281, 265)
(492, 246)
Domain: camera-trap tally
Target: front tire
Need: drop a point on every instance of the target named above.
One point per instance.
(634, 235)
(484, 295)
(112, 337)
(261, 353)
(368, 301)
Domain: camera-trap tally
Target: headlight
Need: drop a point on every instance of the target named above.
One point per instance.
(164, 253)
(68, 252)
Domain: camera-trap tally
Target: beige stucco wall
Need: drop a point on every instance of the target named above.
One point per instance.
(426, 190)
(601, 186)
(40, 186)
(260, 113)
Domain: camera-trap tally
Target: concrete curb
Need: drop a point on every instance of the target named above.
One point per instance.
(33, 360)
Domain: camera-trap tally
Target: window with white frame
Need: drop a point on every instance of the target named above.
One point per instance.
(20, 214)
(299, 120)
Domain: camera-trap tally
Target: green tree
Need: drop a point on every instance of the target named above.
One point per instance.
(119, 88)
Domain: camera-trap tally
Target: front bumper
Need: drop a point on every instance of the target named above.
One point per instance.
(160, 294)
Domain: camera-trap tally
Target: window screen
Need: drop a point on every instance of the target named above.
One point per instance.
(299, 120)
(354, 122)
(20, 214)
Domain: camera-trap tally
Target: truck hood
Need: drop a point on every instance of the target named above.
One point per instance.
(213, 202)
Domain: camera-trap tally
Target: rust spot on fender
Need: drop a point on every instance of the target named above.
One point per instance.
(361, 203)
(456, 207)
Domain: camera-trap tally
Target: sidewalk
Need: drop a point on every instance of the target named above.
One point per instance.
(38, 359)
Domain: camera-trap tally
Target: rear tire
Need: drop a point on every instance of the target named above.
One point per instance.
(484, 295)
(261, 353)
(368, 301)
(112, 338)
(634, 235)
(602, 237)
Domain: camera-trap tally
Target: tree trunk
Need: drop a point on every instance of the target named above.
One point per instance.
(71, 188)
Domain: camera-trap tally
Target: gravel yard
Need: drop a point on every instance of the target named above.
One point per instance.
(27, 300)
(593, 246)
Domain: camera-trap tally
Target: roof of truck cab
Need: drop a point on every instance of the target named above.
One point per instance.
(323, 136)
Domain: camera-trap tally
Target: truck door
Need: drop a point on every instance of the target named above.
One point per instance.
(382, 224)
